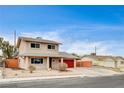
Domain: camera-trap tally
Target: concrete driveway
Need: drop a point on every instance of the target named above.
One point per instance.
(94, 71)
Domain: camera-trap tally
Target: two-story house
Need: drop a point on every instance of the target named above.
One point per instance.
(43, 54)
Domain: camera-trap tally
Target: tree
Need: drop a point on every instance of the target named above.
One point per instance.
(7, 49)
(1, 42)
(7, 52)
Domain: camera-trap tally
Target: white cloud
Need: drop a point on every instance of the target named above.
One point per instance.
(85, 47)
(52, 35)
(8, 37)
(73, 45)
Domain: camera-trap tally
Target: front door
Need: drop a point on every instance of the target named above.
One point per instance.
(50, 62)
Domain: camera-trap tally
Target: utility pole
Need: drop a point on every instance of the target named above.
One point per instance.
(95, 50)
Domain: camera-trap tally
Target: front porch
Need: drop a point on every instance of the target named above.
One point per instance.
(45, 63)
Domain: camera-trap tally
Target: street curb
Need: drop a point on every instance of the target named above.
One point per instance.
(14, 80)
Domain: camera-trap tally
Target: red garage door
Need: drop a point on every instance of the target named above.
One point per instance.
(70, 63)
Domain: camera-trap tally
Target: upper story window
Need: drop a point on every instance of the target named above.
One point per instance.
(51, 46)
(35, 45)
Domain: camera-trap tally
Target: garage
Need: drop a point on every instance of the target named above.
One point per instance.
(70, 63)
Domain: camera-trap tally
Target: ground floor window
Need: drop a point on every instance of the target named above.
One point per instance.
(36, 60)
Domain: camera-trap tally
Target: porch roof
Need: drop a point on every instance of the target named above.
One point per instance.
(60, 54)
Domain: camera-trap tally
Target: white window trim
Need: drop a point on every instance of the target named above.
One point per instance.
(51, 48)
(35, 46)
(37, 64)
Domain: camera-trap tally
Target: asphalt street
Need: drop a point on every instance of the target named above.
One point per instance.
(77, 82)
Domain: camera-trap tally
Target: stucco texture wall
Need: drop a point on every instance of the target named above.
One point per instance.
(104, 63)
(55, 63)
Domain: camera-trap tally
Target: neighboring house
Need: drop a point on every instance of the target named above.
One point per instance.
(43, 54)
(106, 61)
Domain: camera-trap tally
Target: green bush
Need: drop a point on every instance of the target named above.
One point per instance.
(63, 67)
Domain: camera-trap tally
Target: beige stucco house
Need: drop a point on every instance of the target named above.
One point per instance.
(43, 54)
(106, 61)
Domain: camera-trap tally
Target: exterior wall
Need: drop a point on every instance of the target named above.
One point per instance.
(26, 48)
(55, 63)
(22, 47)
(120, 64)
(106, 64)
(40, 66)
(24, 63)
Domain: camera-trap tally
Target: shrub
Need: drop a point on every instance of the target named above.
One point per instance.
(31, 69)
(63, 67)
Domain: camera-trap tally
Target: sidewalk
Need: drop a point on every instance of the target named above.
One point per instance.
(13, 80)
(95, 72)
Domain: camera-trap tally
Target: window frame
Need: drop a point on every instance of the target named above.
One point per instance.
(52, 46)
(34, 61)
(36, 45)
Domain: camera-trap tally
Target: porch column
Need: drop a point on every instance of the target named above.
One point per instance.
(61, 60)
(26, 62)
(48, 65)
(75, 63)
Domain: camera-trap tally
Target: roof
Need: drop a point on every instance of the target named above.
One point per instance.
(59, 54)
(67, 55)
(38, 39)
(104, 58)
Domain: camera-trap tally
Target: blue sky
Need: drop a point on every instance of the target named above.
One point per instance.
(79, 28)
